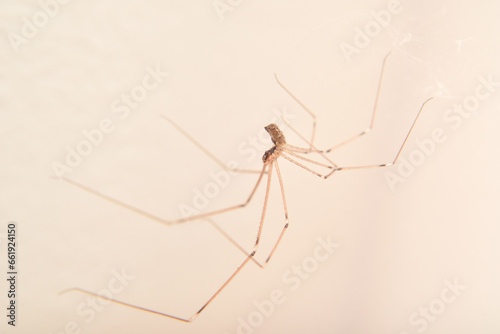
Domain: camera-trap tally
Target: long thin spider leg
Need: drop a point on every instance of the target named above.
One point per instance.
(375, 107)
(301, 165)
(264, 208)
(255, 247)
(397, 155)
(309, 160)
(121, 303)
(312, 149)
(301, 149)
(161, 313)
(285, 211)
(282, 232)
(311, 146)
(206, 151)
(249, 256)
(372, 121)
(164, 221)
(231, 240)
(313, 115)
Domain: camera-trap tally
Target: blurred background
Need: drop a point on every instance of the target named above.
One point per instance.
(412, 248)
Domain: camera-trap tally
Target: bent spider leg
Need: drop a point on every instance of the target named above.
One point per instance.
(301, 149)
(313, 115)
(282, 189)
(285, 227)
(301, 165)
(225, 167)
(269, 166)
(206, 151)
(310, 160)
(290, 149)
(161, 220)
(375, 107)
(397, 155)
(231, 240)
(349, 140)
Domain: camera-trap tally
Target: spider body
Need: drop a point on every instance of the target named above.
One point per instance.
(279, 141)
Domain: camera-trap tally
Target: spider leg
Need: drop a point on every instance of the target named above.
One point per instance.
(397, 155)
(207, 152)
(248, 257)
(313, 116)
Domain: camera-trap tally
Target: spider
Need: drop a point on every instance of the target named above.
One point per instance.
(280, 148)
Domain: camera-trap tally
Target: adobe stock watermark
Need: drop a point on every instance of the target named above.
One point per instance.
(363, 36)
(222, 7)
(425, 315)
(454, 118)
(31, 26)
(292, 279)
(220, 180)
(87, 311)
(122, 106)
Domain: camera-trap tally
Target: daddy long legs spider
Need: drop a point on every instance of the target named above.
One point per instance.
(280, 148)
